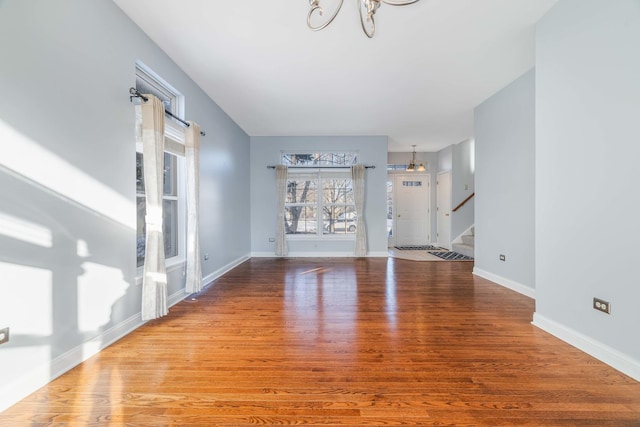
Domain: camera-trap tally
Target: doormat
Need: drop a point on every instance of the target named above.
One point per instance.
(417, 248)
(451, 256)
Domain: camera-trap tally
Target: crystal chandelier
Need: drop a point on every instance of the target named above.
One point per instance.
(367, 10)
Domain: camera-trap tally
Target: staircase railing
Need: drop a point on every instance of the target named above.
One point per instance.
(464, 202)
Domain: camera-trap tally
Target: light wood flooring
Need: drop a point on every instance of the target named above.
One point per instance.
(329, 342)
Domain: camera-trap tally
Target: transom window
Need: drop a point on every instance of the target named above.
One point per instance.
(319, 159)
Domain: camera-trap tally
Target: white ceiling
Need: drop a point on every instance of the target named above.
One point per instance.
(417, 81)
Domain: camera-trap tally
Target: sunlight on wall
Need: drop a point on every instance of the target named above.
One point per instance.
(25, 307)
(30, 160)
(24, 230)
(26, 299)
(98, 289)
(472, 155)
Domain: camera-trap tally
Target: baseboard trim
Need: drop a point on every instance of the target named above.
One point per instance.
(600, 351)
(319, 255)
(209, 278)
(507, 283)
(42, 375)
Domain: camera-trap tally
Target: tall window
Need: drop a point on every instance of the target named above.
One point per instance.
(320, 198)
(173, 183)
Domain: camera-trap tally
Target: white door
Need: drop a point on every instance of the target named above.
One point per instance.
(411, 209)
(443, 201)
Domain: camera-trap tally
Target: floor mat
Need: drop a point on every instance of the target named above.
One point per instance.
(417, 248)
(451, 256)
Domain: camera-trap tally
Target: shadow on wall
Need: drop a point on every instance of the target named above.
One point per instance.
(62, 284)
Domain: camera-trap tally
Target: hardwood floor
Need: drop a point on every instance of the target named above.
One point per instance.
(367, 342)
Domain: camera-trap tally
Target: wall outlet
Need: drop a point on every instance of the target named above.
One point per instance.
(503, 257)
(602, 305)
(4, 335)
(272, 239)
(206, 257)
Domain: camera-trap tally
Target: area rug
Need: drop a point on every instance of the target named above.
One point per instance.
(417, 248)
(451, 256)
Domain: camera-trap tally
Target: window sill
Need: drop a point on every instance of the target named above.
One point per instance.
(172, 265)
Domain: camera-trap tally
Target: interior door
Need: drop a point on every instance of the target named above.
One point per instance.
(411, 213)
(443, 201)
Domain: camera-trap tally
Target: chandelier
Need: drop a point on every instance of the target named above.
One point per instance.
(367, 10)
(412, 165)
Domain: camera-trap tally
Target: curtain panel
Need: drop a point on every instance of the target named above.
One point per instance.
(192, 158)
(154, 279)
(358, 176)
(281, 189)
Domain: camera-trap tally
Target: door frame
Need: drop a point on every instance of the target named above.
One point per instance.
(446, 244)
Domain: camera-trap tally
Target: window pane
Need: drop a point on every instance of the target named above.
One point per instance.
(390, 208)
(170, 227)
(140, 233)
(302, 191)
(170, 178)
(337, 191)
(301, 220)
(339, 220)
(170, 174)
(139, 173)
(145, 85)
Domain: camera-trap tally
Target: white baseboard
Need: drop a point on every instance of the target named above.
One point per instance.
(263, 255)
(600, 351)
(224, 269)
(384, 254)
(40, 376)
(319, 255)
(507, 283)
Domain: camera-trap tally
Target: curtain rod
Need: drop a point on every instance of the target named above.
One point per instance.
(134, 93)
(321, 167)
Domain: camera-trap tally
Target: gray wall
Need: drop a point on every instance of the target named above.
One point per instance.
(505, 201)
(67, 183)
(372, 150)
(462, 186)
(587, 197)
(458, 159)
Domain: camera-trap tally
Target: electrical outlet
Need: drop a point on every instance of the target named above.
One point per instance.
(503, 257)
(272, 239)
(4, 335)
(602, 305)
(206, 257)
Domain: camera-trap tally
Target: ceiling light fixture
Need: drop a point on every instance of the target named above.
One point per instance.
(367, 10)
(412, 165)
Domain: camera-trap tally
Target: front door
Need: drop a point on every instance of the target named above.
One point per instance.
(411, 213)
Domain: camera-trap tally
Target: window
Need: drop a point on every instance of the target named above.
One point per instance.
(397, 167)
(319, 159)
(173, 205)
(320, 202)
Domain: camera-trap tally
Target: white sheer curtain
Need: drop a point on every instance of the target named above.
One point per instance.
(192, 157)
(154, 279)
(358, 179)
(281, 189)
